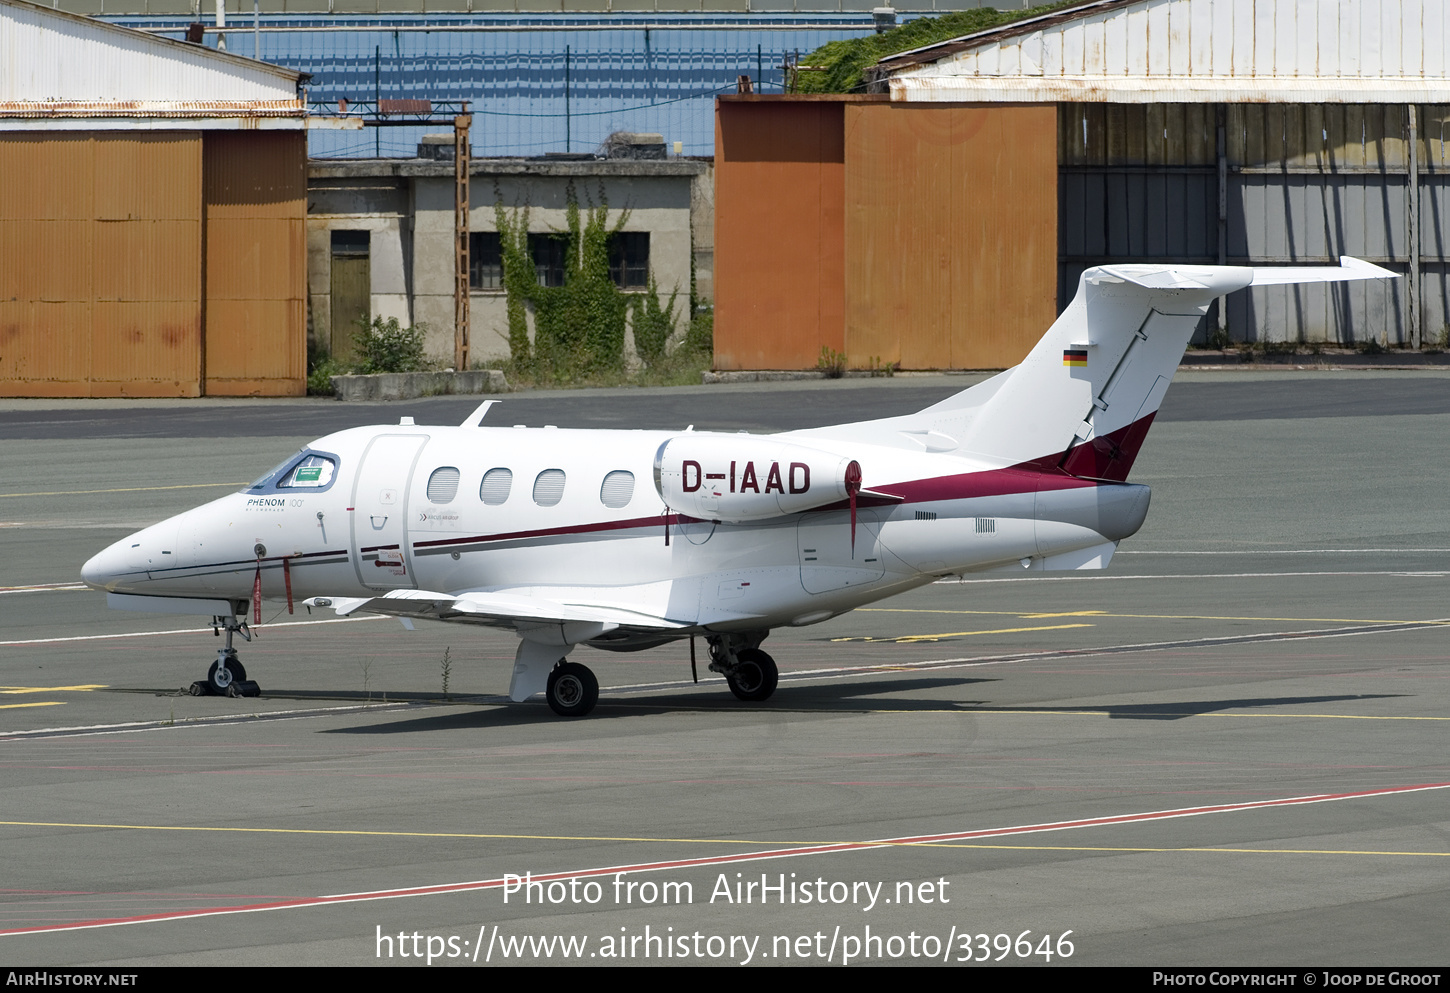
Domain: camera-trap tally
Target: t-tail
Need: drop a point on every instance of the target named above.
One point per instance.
(1082, 401)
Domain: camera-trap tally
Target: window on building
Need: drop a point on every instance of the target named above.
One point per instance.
(549, 252)
(350, 242)
(485, 261)
(629, 259)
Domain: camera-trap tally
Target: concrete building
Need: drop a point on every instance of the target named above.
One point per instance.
(151, 214)
(380, 238)
(1246, 132)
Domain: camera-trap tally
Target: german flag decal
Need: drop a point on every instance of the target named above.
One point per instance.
(1075, 357)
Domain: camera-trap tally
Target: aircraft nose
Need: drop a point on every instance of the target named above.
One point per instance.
(104, 569)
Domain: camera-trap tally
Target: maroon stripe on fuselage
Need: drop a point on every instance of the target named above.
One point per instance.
(1109, 457)
(637, 522)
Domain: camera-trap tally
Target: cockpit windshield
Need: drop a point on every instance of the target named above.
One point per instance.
(310, 471)
(271, 473)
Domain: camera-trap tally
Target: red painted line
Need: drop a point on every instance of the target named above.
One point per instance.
(794, 852)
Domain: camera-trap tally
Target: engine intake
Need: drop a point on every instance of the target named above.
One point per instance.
(736, 478)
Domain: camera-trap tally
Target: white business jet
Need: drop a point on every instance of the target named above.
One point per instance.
(624, 540)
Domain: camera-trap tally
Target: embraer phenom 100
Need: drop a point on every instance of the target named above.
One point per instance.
(624, 540)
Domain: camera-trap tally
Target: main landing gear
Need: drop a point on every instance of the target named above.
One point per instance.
(751, 673)
(227, 677)
(572, 691)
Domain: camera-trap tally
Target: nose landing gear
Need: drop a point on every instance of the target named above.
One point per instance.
(227, 677)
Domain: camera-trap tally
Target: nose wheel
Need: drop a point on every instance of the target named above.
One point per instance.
(223, 674)
(227, 676)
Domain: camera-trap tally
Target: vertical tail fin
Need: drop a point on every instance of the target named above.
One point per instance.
(1083, 398)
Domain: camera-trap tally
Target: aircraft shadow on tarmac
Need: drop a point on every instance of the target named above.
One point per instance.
(1193, 708)
(829, 698)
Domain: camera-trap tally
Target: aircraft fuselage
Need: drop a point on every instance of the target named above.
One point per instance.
(561, 513)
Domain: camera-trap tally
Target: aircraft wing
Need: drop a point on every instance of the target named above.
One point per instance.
(497, 609)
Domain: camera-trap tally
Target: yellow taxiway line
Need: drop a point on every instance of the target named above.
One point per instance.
(121, 489)
(1147, 617)
(192, 828)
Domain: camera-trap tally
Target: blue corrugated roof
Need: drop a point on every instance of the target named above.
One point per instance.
(656, 73)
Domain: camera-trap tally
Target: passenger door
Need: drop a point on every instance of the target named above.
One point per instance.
(380, 550)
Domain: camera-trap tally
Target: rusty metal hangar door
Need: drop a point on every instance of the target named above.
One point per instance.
(921, 235)
(100, 286)
(152, 264)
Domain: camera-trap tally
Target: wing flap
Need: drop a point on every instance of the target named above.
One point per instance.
(499, 608)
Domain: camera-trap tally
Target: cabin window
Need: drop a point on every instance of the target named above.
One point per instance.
(495, 487)
(549, 487)
(312, 473)
(618, 489)
(443, 484)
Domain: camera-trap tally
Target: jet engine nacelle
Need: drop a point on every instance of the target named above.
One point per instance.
(748, 478)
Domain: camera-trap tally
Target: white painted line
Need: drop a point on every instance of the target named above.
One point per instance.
(1406, 573)
(1293, 551)
(149, 634)
(842, 672)
(218, 720)
(726, 859)
(43, 588)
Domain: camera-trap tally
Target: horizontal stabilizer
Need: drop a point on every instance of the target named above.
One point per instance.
(1082, 400)
(1349, 268)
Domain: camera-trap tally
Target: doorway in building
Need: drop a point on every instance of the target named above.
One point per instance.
(351, 289)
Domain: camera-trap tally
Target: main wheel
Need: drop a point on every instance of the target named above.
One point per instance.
(220, 677)
(754, 676)
(573, 691)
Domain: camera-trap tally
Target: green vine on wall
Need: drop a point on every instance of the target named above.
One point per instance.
(579, 326)
(518, 276)
(653, 323)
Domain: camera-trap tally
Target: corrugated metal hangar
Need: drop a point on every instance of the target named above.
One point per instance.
(891, 233)
(1244, 132)
(152, 214)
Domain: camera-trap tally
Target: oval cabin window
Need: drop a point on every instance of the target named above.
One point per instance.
(495, 487)
(443, 484)
(618, 489)
(549, 487)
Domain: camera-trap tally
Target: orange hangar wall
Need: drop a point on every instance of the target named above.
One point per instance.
(100, 286)
(924, 235)
(780, 174)
(138, 263)
(255, 205)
